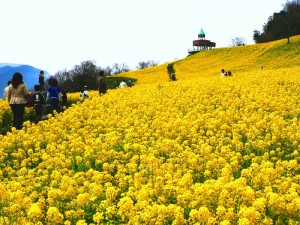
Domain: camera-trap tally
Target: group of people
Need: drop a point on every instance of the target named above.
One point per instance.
(17, 95)
(124, 84)
(225, 73)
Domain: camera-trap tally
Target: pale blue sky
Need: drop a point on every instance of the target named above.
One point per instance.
(58, 34)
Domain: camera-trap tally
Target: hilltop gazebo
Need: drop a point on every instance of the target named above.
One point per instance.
(201, 43)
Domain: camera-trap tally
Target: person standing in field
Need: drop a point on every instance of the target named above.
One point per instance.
(5, 93)
(42, 80)
(54, 94)
(223, 73)
(17, 94)
(102, 85)
(85, 93)
(39, 101)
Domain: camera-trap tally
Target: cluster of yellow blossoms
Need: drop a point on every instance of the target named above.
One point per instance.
(207, 150)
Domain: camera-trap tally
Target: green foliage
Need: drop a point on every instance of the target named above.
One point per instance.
(6, 120)
(281, 25)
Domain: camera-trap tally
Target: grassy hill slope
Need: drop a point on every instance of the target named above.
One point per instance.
(203, 150)
(239, 59)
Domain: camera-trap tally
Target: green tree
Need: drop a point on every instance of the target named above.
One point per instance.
(74, 80)
(284, 24)
(85, 74)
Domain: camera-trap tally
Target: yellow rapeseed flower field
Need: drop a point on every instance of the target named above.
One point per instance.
(202, 150)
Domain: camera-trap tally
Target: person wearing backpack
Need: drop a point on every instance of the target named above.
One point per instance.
(54, 95)
(39, 102)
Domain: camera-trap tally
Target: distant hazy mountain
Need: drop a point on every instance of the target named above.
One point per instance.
(30, 75)
(9, 64)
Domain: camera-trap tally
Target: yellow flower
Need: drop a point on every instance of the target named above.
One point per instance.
(82, 199)
(260, 204)
(81, 222)
(35, 212)
(98, 217)
(54, 216)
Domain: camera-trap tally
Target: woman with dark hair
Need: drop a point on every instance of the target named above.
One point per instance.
(17, 93)
(54, 94)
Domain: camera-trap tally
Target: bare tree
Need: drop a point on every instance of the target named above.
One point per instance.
(119, 68)
(108, 70)
(143, 65)
(238, 41)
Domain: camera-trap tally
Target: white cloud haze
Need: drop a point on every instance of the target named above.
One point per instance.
(58, 34)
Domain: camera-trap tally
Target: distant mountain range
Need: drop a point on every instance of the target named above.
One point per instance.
(30, 75)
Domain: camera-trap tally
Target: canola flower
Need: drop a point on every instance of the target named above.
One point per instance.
(205, 150)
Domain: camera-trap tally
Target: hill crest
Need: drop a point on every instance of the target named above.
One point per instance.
(238, 59)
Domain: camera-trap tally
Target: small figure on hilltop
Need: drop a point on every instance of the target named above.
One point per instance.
(229, 74)
(122, 84)
(17, 94)
(102, 85)
(42, 80)
(39, 102)
(85, 93)
(171, 72)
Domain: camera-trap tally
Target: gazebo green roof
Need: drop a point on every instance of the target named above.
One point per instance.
(201, 32)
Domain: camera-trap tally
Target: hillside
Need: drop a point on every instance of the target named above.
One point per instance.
(203, 150)
(240, 59)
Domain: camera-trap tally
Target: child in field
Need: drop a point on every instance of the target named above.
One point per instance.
(85, 93)
(39, 101)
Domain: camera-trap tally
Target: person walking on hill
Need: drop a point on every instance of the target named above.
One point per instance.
(54, 94)
(39, 101)
(17, 94)
(102, 85)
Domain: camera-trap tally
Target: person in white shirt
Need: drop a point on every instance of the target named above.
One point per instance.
(122, 84)
(223, 73)
(85, 93)
(5, 94)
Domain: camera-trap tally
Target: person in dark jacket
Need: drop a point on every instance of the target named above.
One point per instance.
(102, 85)
(54, 95)
(39, 102)
(42, 80)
